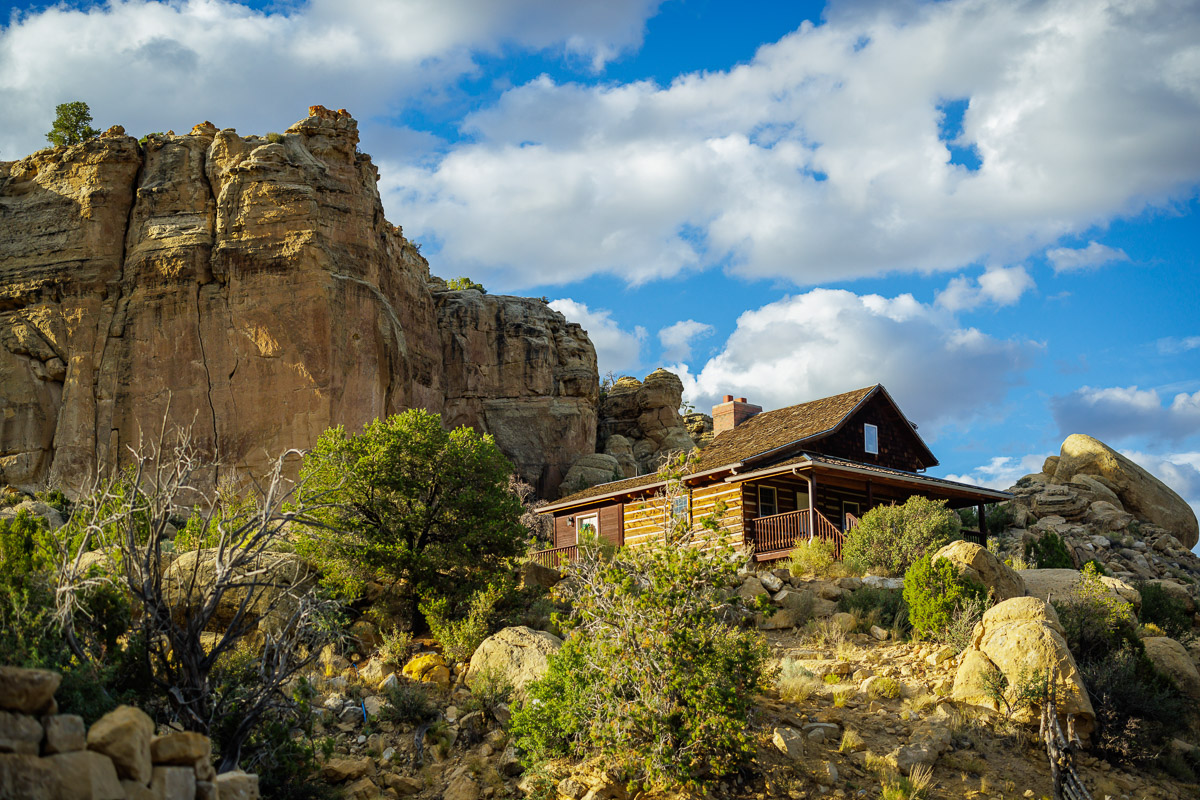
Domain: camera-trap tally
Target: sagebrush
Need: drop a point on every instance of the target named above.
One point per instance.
(888, 539)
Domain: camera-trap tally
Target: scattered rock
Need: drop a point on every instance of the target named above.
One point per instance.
(27, 691)
(340, 770)
(790, 742)
(429, 668)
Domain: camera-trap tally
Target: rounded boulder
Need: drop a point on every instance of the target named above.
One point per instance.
(980, 565)
(519, 653)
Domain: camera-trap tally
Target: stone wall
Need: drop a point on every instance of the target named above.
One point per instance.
(45, 755)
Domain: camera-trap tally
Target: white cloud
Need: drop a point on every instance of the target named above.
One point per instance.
(1173, 346)
(153, 65)
(677, 339)
(1001, 472)
(821, 159)
(1066, 259)
(1120, 412)
(824, 342)
(1002, 286)
(617, 350)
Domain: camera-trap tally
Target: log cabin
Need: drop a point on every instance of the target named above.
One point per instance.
(805, 471)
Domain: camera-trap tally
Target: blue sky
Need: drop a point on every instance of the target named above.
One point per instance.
(990, 207)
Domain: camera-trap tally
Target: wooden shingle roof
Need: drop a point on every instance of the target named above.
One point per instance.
(761, 434)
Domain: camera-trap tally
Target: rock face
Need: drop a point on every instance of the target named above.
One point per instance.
(640, 423)
(255, 287)
(1140, 493)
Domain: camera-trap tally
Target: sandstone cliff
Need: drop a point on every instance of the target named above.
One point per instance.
(255, 286)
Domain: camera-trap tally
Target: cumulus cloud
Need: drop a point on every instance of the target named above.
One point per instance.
(828, 341)
(1001, 472)
(1001, 286)
(1117, 412)
(677, 339)
(617, 350)
(826, 157)
(1066, 259)
(151, 65)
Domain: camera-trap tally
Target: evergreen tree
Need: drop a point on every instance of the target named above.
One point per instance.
(72, 124)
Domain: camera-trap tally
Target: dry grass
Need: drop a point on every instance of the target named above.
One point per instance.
(922, 703)
(843, 696)
(851, 742)
(795, 683)
(913, 787)
(886, 688)
(825, 634)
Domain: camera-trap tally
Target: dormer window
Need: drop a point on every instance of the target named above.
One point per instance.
(871, 438)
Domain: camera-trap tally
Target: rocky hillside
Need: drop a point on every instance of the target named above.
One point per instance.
(253, 286)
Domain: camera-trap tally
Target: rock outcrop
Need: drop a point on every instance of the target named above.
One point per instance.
(519, 653)
(254, 287)
(978, 564)
(1141, 494)
(640, 423)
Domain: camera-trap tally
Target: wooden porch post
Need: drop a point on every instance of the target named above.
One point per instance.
(982, 523)
(870, 497)
(812, 505)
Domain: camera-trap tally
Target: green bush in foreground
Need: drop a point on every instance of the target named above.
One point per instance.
(650, 680)
(814, 557)
(1048, 552)
(889, 539)
(936, 595)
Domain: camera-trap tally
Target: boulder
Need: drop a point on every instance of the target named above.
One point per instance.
(751, 588)
(1094, 489)
(340, 770)
(519, 654)
(1055, 584)
(27, 691)
(1107, 516)
(20, 734)
(980, 565)
(789, 741)
(429, 668)
(1174, 660)
(65, 733)
(180, 748)
(28, 777)
(86, 775)
(591, 469)
(462, 787)
(1141, 494)
(123, 735)
(36, 508)
(189, 580)
(237, 785)
(1022, 637)
(534, 574)
(174, 783)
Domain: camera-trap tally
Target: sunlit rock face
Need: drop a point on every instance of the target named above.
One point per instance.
(251, 287)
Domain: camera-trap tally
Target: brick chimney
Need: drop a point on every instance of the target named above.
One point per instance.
(730, 413)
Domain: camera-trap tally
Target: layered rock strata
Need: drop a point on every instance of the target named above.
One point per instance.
(254, 288)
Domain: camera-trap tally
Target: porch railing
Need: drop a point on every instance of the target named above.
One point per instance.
(774, 536)
(556, 556)
(851, 521)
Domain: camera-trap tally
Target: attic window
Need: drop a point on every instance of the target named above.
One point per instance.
(870, 438)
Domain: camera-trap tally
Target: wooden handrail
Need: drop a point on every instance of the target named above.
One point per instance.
(556, 556)
(780, 532)
(852, 521)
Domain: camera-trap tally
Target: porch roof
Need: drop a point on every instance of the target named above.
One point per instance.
(883, 475)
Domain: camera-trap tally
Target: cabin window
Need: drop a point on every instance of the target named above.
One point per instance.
(768, 502)
(802, 500)
(679, 510)
(587, 527)
(871, 438)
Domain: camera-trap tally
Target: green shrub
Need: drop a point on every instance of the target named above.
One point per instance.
(1095, 565)
(997, 515)
(489, 689)
(462, 282)
(1095, 622)
(1169, 613)
(651, 680)
(1137, 708)
(395, 646)
(407, 702)
(814, 557)
(935, 595)
(887, 688)
(275, 138)
(889, 539)
(1048, 552)
(460, 634)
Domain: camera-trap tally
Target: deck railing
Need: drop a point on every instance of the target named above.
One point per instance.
(555, 556)
(775, 535)
(851, 521)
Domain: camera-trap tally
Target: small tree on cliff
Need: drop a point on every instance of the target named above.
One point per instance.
(416, 507)
(72, 124)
